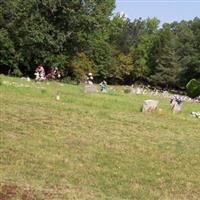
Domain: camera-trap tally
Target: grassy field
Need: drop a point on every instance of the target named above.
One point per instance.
(96, 146)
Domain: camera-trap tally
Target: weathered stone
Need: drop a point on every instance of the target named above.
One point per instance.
(195, 114)
(90, 89)
(58, 97)
(176, 108)
(138, 90)
(150, 105)
(165, 93)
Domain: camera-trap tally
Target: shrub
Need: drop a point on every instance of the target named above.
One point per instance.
(80, 66)
(127, 90)
(193, 88)
(17, 72)
(68, 80)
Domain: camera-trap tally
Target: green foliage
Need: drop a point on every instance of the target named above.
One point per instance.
(166, 68)
(50, 32)
(121, 68)
(100, 52)
(80, 66)
(54, 33)
(7, 50)
(67, 79)
(141, 56)
(193, 88)
(17, 72)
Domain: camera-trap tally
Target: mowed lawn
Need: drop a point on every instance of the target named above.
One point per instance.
(97, 146)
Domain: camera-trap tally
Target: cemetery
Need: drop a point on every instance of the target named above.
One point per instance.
(63, 141)
(99, 100)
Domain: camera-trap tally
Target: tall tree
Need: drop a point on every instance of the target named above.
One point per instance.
(166, 68)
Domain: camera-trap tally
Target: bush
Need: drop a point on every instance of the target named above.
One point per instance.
(68, 80)
(127, 90)
(17, 72)
(80, 66)
(193, 88)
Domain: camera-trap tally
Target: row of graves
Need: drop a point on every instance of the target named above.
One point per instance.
(161, 93)
(149, 105)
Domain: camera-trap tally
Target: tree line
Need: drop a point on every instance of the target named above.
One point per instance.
(82, 36)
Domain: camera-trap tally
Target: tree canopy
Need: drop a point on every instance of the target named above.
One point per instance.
(83, 35)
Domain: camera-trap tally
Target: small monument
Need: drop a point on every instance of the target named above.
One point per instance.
(90, 89)
(103, 86)
(165, 93)
(89, 78)
(195, 114)
(58, 96)
(150, 105)
(176, 104)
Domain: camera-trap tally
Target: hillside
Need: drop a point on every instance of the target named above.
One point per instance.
(97, 146)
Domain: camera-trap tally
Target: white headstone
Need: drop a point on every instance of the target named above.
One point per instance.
(176, 108)
(150, 105)
(90, 89)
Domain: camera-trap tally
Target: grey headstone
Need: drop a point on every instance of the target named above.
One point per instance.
(165, 93)
(195, 114)
(176, 108)
(138, 90)
(150, 105)
(90, 89)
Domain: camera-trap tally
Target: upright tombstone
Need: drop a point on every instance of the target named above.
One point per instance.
(103, 85)
(154, 92)
(58, 96)
(176, 108)
(91, 89)
(150, 105)
(138, 90)
(144, 91)
(89, 79)
(176, 104)
(165, 93)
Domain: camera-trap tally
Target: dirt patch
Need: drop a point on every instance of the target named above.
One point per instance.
(26, 196)
(11, 191)
(8, 191)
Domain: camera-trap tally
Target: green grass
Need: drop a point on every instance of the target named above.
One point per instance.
(96, 146)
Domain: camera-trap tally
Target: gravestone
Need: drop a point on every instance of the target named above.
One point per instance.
(150, 105)
(91, 89)
(58, 97)
(176, 102)
(138, 90)
(195, 114)
(165, 93)
(176, 108)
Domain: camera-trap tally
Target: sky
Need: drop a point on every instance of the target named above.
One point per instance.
(165, 10)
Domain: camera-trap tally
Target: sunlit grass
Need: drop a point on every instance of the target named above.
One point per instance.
(97, 146)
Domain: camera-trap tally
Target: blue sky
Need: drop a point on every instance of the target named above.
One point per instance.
(164, 10)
